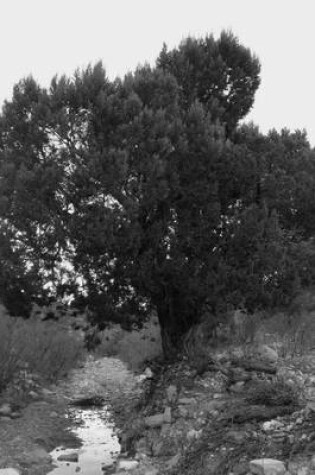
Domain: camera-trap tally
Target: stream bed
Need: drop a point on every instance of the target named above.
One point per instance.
(100, 447)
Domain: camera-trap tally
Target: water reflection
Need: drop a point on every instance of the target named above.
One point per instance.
(100, 446)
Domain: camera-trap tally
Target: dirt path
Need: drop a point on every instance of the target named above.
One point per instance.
(25, 442)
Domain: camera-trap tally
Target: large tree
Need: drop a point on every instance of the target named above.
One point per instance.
(150, 191)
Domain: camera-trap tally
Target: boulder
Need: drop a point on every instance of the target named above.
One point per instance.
(5, 409)
(267, 354)
(267, 466)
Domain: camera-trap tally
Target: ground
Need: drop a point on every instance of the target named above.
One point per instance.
(202, 421)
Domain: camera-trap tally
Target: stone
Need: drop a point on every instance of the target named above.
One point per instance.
(267, 466)
(186, 401)
(5, 409)
(237, 387)
(148, 373)
(267, 354)
(127, 465)
(171, 394)
(183, 412)
(164, 447)
(173, 462)
(142, 446)
(38, 454)
(193, 434)
(151, 471)
(303, 471)
(154, 421)
(167, 415)
(236, 436)
(72, 457)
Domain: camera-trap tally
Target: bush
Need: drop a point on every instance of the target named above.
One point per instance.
(277, 393)
(39, 348)
(133, 347)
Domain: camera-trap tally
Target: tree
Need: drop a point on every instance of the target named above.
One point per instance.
(222, 74)
(153, 193)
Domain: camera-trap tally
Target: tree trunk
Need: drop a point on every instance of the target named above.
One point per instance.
(176, 317)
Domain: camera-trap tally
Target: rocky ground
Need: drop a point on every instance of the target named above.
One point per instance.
(184, 418)
(221, 418)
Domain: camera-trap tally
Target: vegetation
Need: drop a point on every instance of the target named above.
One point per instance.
(31, 349)
(148, 193)
(135, 347)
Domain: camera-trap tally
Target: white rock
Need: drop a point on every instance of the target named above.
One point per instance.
(167, 415)
(272, 425)
(9, 471)
(267, 354)
(267, 466)
(127, 464)
(171, 393)
(5, 409)
(148, 373)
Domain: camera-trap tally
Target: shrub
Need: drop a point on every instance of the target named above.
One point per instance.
(40, 348)
(133, 347)
(276, 393)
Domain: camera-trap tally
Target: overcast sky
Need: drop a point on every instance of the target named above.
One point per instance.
(45, 37)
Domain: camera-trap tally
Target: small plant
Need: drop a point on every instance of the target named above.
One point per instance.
(277, 393)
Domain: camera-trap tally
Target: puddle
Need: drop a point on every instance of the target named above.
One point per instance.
(100, 446)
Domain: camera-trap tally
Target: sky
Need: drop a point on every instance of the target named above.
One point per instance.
(48, 37)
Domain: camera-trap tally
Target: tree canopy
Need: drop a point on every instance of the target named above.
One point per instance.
(148, 192)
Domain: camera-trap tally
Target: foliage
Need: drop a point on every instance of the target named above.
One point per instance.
(36, 348)
(277, 393)
(135, 347)
(146, 193)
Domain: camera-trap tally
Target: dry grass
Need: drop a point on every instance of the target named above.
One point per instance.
(35, 348)
(133, 347)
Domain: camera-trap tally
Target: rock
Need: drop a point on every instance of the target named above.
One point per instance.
(9, 471)
(185, 401)
(167, 415)
(154, 421)
(39, 454)
(303, 471)
(236, 436)
(148, 373)
(72, 457)
(164, 447)
(237, 387)
(183, 412)
(266, 466)
(312, 464)
(127, 464)
(173, 461)
(142, 446)
(33, 395)
(151, 471)
(193, 434)
(5, 410)
(171, 394)
(267, 354)
(15, 415)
